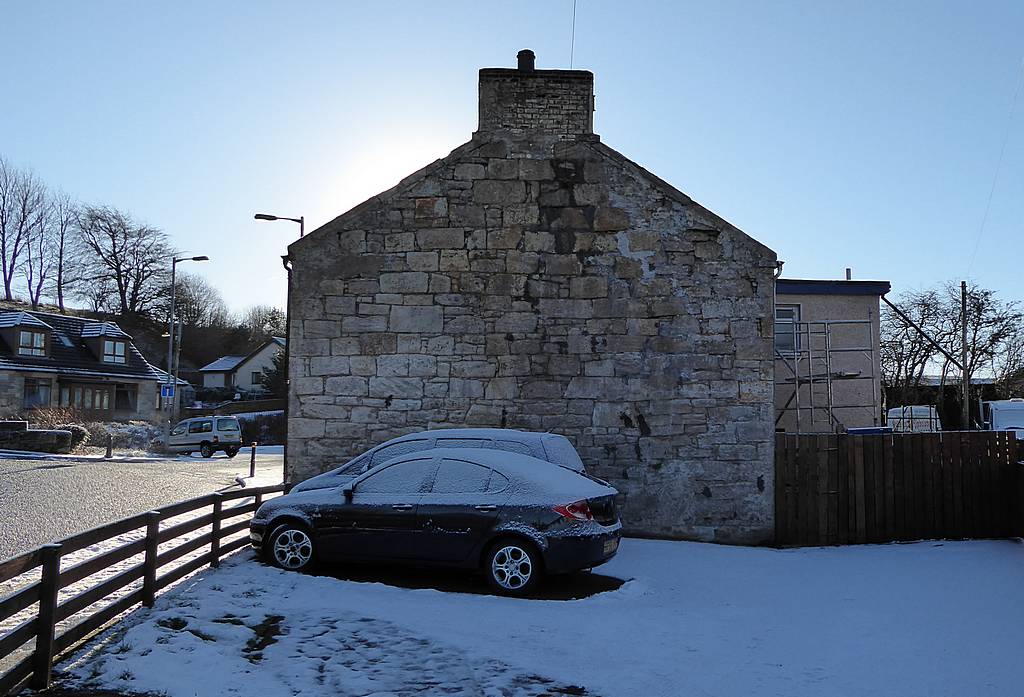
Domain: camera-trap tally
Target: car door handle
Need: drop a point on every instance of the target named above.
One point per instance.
(402, 506)
(486, 508)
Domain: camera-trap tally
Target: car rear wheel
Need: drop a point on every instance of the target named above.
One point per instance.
(231, 452)
(513, 567)
(291, 548)
(206, 450)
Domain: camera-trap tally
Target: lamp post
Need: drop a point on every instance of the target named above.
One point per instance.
(301, 220)
(170, 342)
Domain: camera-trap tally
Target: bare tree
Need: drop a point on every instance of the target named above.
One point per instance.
(67, 266)
(129, 258)
(995, 336)
(38, 259)
(198, 303)
(264, 320)
(22, 206)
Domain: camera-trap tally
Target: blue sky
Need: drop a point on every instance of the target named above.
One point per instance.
(840, 134)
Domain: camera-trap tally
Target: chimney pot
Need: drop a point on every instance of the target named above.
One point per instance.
(526, 60)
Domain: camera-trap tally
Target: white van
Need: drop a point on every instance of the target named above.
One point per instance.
(207, 435)
(1004, 415)
(916, 418)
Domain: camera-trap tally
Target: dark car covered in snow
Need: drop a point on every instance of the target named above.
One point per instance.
(550, 447)
(511, 516)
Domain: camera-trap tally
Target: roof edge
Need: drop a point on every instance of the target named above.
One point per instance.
(810, 286)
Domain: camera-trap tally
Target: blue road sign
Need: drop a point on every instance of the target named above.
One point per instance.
(167, 391)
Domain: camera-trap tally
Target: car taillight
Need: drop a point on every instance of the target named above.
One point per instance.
(575, 511)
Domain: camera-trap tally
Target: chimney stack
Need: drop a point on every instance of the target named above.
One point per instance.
(526, 101)
(526, 59)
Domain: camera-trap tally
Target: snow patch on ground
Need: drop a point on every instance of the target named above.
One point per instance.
(932, 618)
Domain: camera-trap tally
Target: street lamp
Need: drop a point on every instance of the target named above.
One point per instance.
(170, 344)
(301, 220)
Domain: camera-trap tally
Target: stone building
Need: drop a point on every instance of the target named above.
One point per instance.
(537, 279)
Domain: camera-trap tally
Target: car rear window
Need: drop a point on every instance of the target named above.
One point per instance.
(227, 425)
(561, 452)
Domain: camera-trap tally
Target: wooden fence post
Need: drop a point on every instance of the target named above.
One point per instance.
(149, 567)
(218, 507)
(42, 659)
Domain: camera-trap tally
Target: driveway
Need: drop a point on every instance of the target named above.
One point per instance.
(44, 500)
(931, 618)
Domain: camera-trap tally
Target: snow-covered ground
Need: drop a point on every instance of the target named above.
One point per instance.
(932, 618)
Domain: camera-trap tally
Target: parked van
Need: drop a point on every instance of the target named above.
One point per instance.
(915, 418)
(1004, 415)
(207, 435)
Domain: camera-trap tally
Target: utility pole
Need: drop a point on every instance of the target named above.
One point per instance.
(965, 397)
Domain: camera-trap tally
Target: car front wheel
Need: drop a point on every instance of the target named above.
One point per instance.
(512, 567)
(206, 450)
(291, 548)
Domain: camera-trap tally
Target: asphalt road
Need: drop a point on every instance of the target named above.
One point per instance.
(43, 500)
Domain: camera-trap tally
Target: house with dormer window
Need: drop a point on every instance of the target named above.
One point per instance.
(90, 366)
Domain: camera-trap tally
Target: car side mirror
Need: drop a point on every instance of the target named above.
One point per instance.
(347, 491)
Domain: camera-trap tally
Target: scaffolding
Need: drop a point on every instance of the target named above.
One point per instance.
(817, 358)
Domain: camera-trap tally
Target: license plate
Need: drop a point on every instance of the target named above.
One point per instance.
(610, 546)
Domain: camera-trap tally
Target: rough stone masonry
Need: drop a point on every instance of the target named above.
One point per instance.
(537, 279)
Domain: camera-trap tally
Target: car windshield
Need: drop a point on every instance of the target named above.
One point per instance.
(227, 425)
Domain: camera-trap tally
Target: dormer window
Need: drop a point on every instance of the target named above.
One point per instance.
(114, 351)
(31, 343)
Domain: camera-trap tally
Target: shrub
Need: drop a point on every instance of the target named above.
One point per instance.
(134, 435)
(79, 434)
(51, 417)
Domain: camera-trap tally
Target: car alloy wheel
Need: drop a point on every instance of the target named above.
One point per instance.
(206, 450)
(292, 549)
(512, 567)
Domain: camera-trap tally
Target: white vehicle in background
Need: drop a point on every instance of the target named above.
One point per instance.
(207, 435)
(915, 418)
(1004, 415)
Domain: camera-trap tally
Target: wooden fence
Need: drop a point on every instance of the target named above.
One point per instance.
(36, 667)
(844, 489)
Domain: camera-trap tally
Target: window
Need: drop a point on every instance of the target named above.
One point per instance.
(227, 425)
(357, 466)
(561, 452)
(257, 377)
(514, 446)
(787, 323)
(201, 426)
(407, 477)
(460, 477)
(126, 397)
(180, 429)
(114, 351)
(31, 343)
(37, 393)
(401, 448)
(463, 443)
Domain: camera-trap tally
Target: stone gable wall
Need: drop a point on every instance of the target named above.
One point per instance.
(545, 284)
